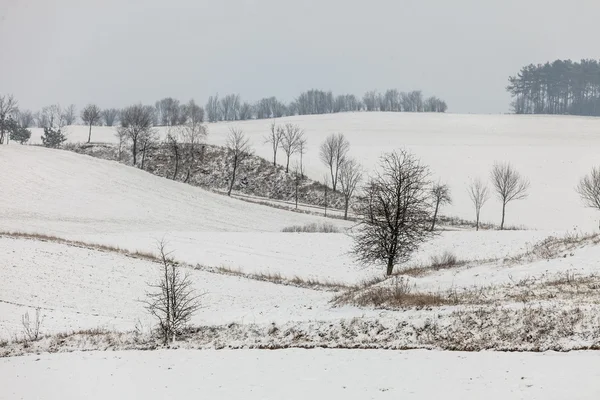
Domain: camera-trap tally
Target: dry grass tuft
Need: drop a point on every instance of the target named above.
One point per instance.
(323, 227)
(397, 295)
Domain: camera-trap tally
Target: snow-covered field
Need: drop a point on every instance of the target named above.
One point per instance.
(302, 374)
(79, 287)
(554, 152)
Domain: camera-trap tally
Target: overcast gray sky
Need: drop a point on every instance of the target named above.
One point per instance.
(117, 52)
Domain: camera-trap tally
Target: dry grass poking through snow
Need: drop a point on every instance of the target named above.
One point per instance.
(323, 227)
(555, 247)
(392, 293)
(76, 243)
(277, 278)
(537, 328)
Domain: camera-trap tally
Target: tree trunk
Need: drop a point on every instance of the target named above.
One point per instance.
(232, 176)
(143, 155)
(90, 134)
(437, 206)
(176, 164)
(346, 208)
(503, 212)
(334, 180)
(325, 200)
(477, 223)
(134, 151)
(275, 158)
(296, 196)
(287, 165)
(390, 267)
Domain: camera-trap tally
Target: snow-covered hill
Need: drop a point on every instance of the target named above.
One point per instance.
(59, 192)
(552, 151)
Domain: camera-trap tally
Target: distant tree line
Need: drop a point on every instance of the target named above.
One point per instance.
(312, 102)
(171, 112)
(560, 87)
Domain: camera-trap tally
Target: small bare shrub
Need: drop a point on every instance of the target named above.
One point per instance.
(444, 260)
(173, 300)
(31, 329)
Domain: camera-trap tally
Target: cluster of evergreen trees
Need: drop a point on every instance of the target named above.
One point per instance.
(560, 87)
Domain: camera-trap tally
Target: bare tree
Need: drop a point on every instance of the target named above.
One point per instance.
(174, 146)
(191, 134)
(509, 185)
(245, 111)
(168, 111)
(297, 181)
(136, 124)
(172, 300)
(148, 143)
(26, 118)
(238, 148)
(302, 150)
(70, 115)
(192, 113)
(333, 152)
(230, 107)
(91, 115)
(589, 189)
(274, 139)
(8, 110)
(213, 109)
(349, 178)
(479, 194)
(122, 138)
(440, 193)
(395, 211)
(40, 119)
(110, 116)
(290, 141)
(54, 116)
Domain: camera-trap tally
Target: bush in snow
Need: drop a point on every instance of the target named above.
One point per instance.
(173, 300)
(53, 137)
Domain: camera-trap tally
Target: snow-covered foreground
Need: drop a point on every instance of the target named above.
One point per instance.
(82, 288)
(554, 152)
(78, 288)
(302, 374)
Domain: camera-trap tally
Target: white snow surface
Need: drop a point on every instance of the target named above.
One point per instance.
(59, 192)
(301, 374)
(554, 152)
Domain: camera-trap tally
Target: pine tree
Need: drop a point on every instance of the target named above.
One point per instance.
(53, 137)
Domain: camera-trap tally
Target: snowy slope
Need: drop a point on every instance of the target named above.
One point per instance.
(302, 374)
(59, 192)
(78, 288)
(324, 256)
(552, 151)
